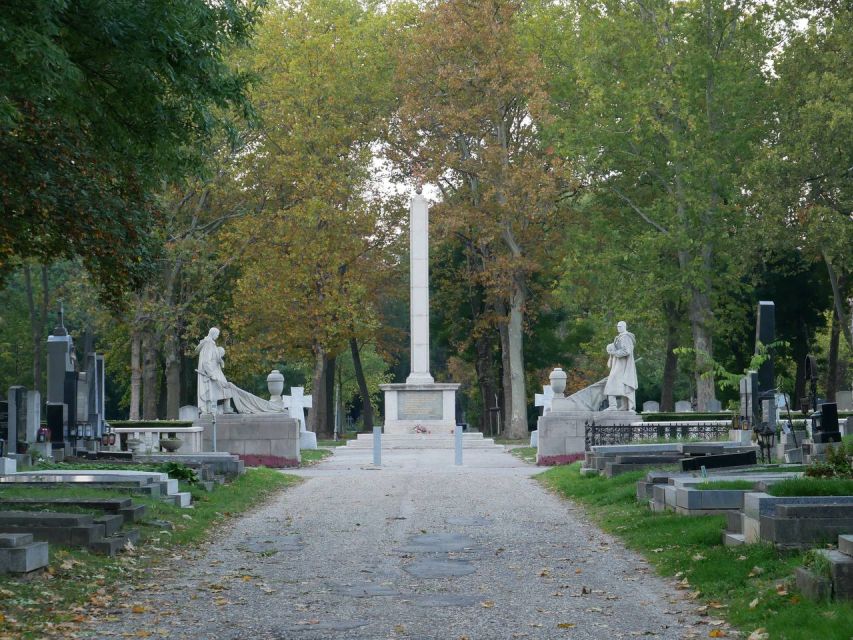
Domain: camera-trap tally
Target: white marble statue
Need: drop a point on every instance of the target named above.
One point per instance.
(622, 381)
(212, 385)
(213, 388)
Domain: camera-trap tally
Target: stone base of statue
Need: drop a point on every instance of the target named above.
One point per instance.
(562, 431)
(269, 439)
(422, 408)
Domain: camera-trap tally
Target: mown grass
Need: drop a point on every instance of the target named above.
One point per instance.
(55, 602)
(313, 456)
(332, 443)
(812, 487)
(690, 547)
(528, 454)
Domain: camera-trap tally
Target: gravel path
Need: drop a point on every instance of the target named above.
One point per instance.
(417, 549)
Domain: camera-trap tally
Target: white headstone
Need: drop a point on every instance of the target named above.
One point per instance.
(33, 414)
(188, 412)
(544, 399)
(714, 405)
(683, 406)
(296, 403)
(844, 399)
(650, 406)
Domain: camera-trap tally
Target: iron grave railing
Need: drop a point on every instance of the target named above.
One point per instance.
(600, 434)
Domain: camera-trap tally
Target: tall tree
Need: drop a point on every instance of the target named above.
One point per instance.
(100, 103)
(471, 110)
(662, 103)
(308, 283)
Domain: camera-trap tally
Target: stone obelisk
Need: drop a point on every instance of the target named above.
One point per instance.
(419, 291)
(420, 405)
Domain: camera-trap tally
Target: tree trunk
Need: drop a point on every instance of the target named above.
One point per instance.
(173, 376)
(506, 380)
(325, 424)
(832, 367)
(38, 320)
(517, 427)
(149, 376)
(670, 365)
(484, 364)
(318, 380)
(700, 316)
(838, 284)
(367, 406)
(135, 373)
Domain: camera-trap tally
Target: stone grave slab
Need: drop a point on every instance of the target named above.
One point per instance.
(439, 568)
(717, 461)
(439, 543)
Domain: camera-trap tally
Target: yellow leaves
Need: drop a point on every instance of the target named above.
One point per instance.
(399, 628)
(753, 603)
(138, 608)
(756, 571)
(759, 634)
(487, 604)
(221, 602)
(716, 633)
(545, 573)
(566, 625)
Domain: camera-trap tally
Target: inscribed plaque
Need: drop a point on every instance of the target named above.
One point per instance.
(420, 405)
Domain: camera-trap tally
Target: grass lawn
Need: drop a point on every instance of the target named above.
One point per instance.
(54, 602)
(332, 443)
(313, 456)
(528, 454)
(726, 579)
(716, 485)
(812, 487)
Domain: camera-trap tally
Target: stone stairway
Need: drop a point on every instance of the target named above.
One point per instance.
(470, 440)
(69, 529)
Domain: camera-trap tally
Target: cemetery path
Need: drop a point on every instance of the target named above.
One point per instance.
(417, 550)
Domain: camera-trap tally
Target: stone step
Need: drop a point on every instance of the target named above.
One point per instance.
(733, 539)
(44, 519)
(424, 441)
(23, 558)
(734, 522)
(109, 504)
(134, 513)
(111, 545)
(68, 536)
(181, 499)
(11, 540)
(112, 523)
(845, 544)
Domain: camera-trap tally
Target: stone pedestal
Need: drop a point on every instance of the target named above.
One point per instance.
(307, 440)
(410, 408)
(44, 449)
(269, 439)
(7, 466)
(562, 432)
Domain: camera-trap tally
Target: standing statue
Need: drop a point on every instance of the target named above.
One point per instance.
(622, 381)
(212, 385)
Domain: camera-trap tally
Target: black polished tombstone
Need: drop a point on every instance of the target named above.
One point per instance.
(825, 424)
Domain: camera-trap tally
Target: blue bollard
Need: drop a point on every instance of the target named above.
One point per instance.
(458, 436)
(377, 446)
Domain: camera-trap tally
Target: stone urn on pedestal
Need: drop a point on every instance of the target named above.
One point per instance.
(275, 384)
(558, 382)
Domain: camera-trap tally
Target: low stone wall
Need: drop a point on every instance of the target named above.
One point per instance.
(271, 440)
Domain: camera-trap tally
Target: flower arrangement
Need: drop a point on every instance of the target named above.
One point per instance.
(421, 429)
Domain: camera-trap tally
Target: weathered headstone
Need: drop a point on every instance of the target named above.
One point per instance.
(683, 406)
(297, 402)
(844, 400)
(17, 425)
(714, 405)
(749, 398)
(651, 406)
(188, 412)
(544, 399)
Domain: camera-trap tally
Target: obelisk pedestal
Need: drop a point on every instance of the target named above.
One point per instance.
(420, 405)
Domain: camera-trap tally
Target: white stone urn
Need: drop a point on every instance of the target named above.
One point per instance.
(275, 384)
(135, 445)
(558, 382)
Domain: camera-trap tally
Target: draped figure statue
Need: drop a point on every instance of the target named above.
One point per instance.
(622, 381)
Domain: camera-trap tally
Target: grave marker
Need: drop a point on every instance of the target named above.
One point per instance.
(544, 399)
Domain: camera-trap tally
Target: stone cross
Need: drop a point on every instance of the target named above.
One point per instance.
(297, 403)
(544, 399)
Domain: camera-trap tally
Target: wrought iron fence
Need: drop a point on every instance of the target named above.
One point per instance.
(600, 434)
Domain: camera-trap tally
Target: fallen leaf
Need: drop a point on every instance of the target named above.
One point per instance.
(756, 571)
(138, 608)
(698, 557)
(781, 590)
(398, 628)
(716, 633)
(759, 634)
(544, 573)
(753, 604)
(566, 625)
(487, 604)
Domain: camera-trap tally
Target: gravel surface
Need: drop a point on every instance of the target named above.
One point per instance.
(417, 549)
